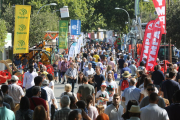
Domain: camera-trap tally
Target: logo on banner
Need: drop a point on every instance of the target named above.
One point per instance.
(157, 24)
(23, 11)
(63, 24)
(22, 27)
(21, 43)
(74, 27)
(150, 26)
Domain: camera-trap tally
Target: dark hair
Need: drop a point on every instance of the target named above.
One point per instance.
(172, 74)
(1, 100)
(43, 75)
(81, 104)
(99, 60)
(177, 96)
(31, 66)
(73, 101)
(92, 76)
(147, 81)
(142, 63)
(157, 67)
(73, 114)
(38, 80)
(153, 97)
(24, 103)
(35, 90)
(130, 103)
(141, 73)
(50, 77)
(89, 99)
(4, 88)
(152, 85)
(85, 79)
(95, 52)
(79, 80)
(141, 81)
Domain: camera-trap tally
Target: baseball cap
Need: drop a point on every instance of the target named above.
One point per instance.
(14, 77)
(104, 84)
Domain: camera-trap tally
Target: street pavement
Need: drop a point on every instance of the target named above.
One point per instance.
(59, 89)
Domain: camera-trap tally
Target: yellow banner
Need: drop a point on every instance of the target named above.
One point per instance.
(21, 31)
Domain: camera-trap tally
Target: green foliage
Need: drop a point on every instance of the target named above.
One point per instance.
(3, 34)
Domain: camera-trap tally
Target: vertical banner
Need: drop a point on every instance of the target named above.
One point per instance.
(137, 10)
(75, 27)
(21, 31)
(72, 50)
(109, 37)
(63, 34)
(154, 45)
(147, 40)
(160, 6)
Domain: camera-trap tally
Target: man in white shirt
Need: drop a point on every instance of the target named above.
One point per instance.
(114, 110)
(15, 91)
(29, 78)
(89, 70)
(50, 94)
(153, 111)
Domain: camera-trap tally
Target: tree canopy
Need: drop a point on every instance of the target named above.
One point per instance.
(3, 34)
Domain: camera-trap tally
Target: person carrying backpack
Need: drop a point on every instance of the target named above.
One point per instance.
(124, 82)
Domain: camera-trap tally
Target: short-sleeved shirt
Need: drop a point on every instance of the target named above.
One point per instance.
(37, 101)
(131, 93)
(97, 57)
(6, 114)
(133, 69)
(145, 101)
(64, 66)
(16, 92)
(99, 79)
(93, 112)
(8, 99)
(158, 77)
(43, 93)
(100, 102)
(86, 90)
(72, 72)
(169, 87)
(114, 84)
(88, 72)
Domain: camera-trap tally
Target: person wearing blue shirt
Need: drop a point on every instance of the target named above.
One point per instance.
(126, 68)
(131, 93)
(93, 63)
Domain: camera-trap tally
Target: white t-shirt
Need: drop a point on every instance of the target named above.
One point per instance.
(145, 92)
(104, 70)
(51, 84)
(29, 79)
(114, 84)
(92, 51)
(100, 102)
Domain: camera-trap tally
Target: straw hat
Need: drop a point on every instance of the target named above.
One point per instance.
(135, 109)
(126, 74)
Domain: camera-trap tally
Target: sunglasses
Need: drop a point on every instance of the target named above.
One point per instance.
(151, 89)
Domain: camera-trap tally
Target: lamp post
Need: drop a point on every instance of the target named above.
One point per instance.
(46, 5)
(127, 14)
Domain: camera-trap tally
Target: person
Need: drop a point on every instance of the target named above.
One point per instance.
(68, 92)
(134, 112)
(140, 81)
(25, 62)
(85, 54)
(40, 113)
(55, 66)
(126, 115)
(80, 79)
(99, 78)
(131, 93)
(96, 56)
(173, 109)
(51, 82)
(111, 84)
(59, 67)
(83, 64)
(17, 62)
(92, 111)
(4, 103)
(102, 96)
(93, 63)
(24, 113)
(50, 94)
(75, 115)
(100, 109)
(126, 68)
(169, 86)
(111, 62)
(92, 82)
(88, 70)
(153, 111)
(71, 75)
(109, 70)
(63, 113)
(133, 68)
(88, 57)
(15, 91)
(35, 100)
(29, 78)
(102, 116)
(85, 90)
(64, 67)
(115, 110)
(145, 101)
(157, 75)
(5, 114)
(8, 99)
(141, 67)
(121, 63)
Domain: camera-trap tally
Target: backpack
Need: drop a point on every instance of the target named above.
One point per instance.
(124, 85)
(66, 93)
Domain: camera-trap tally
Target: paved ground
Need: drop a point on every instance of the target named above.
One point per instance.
(59, 88)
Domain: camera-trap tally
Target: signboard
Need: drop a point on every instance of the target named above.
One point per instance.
(64, 12)
(75, 27)
(63, 34)
(21, 32)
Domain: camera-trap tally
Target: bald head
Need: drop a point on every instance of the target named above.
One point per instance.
(133, 82)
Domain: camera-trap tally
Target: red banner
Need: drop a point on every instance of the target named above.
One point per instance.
(160, 6)
(146, 41)
(154, 45)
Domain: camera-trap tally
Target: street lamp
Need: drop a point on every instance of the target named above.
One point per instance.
(126, 12)
(46, 5)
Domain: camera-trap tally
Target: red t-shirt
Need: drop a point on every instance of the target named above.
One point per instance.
(37, 101)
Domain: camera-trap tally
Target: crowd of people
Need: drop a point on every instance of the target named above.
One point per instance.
(138, 94)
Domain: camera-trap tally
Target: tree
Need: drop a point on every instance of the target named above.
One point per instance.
(3, 34)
